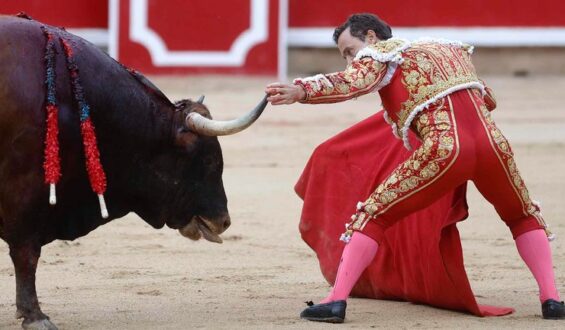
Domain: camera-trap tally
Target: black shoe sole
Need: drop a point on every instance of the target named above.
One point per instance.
(333, 319)
(554, 317)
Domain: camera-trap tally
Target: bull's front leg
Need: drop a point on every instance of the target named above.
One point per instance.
(25, 257)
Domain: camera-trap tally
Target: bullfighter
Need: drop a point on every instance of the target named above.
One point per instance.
(430, 87)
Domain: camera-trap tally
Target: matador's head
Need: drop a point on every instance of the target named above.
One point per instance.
(359, 31)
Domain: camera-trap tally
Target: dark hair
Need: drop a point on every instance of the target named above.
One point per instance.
(360, 24)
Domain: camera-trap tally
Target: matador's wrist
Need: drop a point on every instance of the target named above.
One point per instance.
(301, 93)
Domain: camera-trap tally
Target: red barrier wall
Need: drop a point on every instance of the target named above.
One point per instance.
(180, 36)
(317, 13)
(67, 13)
(413, 13)
(198, 25)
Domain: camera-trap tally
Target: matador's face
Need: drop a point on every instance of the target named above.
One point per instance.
(349, 45)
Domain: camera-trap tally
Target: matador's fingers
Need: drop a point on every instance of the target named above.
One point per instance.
(279, 99)
(276, 85)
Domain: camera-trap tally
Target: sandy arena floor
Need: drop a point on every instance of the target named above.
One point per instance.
(126, 275)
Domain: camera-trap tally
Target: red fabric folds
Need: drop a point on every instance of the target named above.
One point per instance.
(421, 259)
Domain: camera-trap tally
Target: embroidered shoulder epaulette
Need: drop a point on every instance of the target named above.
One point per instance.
(384, 51)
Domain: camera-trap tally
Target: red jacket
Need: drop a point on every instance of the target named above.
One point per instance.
(409, 75)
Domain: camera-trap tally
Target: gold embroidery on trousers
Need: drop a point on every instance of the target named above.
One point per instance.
(429, 162)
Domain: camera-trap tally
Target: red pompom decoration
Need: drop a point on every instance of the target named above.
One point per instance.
(93, 166)
(52, 163)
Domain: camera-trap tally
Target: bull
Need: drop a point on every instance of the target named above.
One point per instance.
(163, 160)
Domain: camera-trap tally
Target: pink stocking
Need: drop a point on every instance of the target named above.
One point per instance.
(356, 256)
(536, 253)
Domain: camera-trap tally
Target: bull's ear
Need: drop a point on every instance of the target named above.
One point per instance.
(186, 139)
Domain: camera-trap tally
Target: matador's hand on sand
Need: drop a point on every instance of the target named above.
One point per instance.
(284, 93)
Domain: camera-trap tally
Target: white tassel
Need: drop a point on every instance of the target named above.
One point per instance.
(345, 238)
(538, 205)
(386, 117)
(103, 208)
(52, 194)
(551, 236)
(360, 205)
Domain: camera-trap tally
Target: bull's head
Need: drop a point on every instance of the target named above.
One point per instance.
(209, 214)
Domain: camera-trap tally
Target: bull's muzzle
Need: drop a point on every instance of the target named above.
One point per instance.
(210, 229)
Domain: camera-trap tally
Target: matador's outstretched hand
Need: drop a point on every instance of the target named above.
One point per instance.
(280, 93)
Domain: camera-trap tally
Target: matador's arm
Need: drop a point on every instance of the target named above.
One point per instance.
(360, 77)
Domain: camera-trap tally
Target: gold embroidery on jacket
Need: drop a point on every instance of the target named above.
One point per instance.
(429, 69)
(387, 46)
(359, 78)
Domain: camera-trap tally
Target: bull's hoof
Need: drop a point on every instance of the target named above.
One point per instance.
(44, 324)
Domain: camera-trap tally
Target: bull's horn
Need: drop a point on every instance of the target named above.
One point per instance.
(204, 126)
(200, 100)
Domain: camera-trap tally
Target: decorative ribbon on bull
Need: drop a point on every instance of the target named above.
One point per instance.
(52, 165)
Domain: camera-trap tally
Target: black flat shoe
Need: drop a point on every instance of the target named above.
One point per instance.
(553, 310)
(333, 312)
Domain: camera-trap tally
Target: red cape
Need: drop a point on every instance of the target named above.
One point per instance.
(421, 259)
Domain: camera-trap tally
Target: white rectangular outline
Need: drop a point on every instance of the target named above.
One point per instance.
(99, 37)
(114, 28)
(322, 37)
(161, 56)
(282, 65)
(477, 36)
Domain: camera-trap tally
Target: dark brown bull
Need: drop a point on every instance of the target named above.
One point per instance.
(162, 160)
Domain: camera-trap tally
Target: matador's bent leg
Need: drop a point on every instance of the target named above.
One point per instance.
(441, 163)
(497, 177)
(499, 181)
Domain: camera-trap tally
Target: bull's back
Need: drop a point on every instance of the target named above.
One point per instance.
(21, 78)
(21, 57)
(21, 118)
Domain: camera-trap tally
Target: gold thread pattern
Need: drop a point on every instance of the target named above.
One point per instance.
(434, 157)
(428, 70)
(361, 77)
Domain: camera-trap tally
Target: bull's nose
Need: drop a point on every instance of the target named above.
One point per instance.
(225, 222)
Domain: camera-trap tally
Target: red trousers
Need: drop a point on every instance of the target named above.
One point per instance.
(460, 142)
